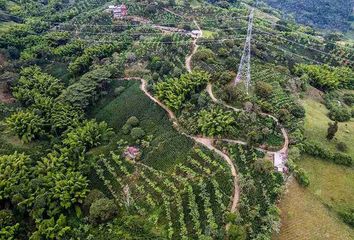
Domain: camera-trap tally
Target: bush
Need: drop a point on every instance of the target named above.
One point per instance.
(317, 151)
(342, 159)
(102, 210)
(348, 99)
(341, 146)
(348, 217)
(302, 177)
(340, 114)
(137, 133)
(93, 196)
(6, 218)
(237, 232)
(118, 91)
(263, 89)
(126, 129)
(133, 121)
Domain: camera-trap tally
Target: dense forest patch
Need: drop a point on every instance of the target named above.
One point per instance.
(324, 13)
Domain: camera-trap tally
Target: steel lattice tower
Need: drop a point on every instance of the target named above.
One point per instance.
(244, 69)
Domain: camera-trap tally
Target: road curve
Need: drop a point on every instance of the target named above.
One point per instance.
(208, 142)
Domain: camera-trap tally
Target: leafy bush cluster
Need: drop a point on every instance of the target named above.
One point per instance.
(44, 115)
(326, 77)
(348, 217)
(175, 91)
(131, 127)
(315, 150)
(339, 106)
(215, 121)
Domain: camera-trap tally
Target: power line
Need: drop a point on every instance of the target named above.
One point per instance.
(299, 32)
(133, 25)
(314, 49)
(284, 50)
(162, 42)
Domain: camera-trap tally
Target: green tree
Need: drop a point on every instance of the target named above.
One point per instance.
(174, 91)
(69, 188)
(34, 82)
(332, 130)
(237, 232)
(263, 89)
(26, 125)
(93, 196)
(215, 121)
(90, 134)
(137, 133)
(103, 210)
(52, 229)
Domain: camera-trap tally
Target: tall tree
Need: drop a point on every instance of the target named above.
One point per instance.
(332, 130)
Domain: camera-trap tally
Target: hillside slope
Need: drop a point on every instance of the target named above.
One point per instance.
(319, 13)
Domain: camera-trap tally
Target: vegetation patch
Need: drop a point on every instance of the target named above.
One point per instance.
(167, 147)
(316, 125)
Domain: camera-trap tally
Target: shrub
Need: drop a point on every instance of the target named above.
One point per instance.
(137, 133)
(102, 210)
(126, 129)
(237, 232)
(348, 99)
(6, 218)
(302, 177)
(348, 217)
(133, 121)
(263, 89)
(340, 114)
(118, 91)
(317, 151)
(341, 146)
(93, 196)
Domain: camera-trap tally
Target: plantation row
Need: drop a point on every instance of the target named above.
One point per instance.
(189, 203)
(260, 189)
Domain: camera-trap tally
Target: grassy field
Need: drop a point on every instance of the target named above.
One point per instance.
(304, 217)
(311, 213)
(332, 184)
(167, 148)
(316, 125)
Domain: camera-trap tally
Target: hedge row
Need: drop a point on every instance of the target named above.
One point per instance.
(339, 158)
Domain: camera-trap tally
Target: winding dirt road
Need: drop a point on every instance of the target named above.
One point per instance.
(209, 142)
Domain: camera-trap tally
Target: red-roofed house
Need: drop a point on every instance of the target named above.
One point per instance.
(118, 11)
(132, 153)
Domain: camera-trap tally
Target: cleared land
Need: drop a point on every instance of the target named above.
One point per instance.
(316, 125)
(304, 217)
(332, 184)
